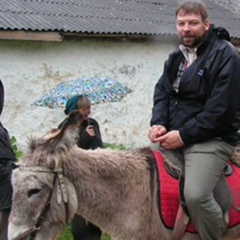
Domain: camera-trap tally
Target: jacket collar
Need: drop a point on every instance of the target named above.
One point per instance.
(213, 33)
(206, 42)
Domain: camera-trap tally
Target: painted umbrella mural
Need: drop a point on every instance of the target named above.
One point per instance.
(99, 90)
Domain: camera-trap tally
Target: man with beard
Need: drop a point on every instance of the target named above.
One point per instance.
(7, 159)
(195, 107)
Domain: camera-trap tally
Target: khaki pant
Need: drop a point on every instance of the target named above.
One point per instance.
(4, 214)
(204, 166)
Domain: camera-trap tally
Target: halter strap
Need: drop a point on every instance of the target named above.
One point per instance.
(39, 169)
(61, 193)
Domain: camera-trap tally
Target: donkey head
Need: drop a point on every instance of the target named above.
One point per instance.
(42, 196)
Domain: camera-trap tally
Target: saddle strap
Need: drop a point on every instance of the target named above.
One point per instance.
(180, 225)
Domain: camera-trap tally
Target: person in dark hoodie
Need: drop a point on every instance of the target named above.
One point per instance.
(7, 159)
(89, 138)
(195, 111)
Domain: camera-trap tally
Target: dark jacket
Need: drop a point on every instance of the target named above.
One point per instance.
(85, 140)
(7, 157)
(209, 92)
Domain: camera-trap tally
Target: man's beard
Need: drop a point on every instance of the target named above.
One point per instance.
(191, 41)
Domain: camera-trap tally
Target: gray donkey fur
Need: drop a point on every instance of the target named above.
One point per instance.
(116, 190)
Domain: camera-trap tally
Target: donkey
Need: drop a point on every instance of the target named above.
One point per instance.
(115, 190)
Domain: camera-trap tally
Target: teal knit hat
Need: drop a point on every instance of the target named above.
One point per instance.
(72, 104)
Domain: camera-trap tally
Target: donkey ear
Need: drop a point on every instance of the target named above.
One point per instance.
(72, 125)
(75, 118)
(64, 139)
(69, 134)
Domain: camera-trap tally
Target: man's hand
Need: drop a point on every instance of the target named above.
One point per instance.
(171, 140)
(156, 132)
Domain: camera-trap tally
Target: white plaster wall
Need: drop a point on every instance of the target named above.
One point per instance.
(30, 69)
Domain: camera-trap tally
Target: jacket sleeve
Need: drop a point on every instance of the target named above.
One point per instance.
(88, 142)
(222, 104)
(6, 151)
(98, 137)
(160, 100)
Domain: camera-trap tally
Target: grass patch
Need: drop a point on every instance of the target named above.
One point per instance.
(67, 233)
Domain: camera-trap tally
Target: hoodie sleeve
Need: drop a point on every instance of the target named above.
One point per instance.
(6, 151)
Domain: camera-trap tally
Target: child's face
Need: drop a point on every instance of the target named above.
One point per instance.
(85, 112)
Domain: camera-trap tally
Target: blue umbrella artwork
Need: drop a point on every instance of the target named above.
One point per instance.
(99, 90)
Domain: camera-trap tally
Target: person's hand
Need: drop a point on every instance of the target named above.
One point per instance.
(90, 130)
(171, 140)
(155, 132)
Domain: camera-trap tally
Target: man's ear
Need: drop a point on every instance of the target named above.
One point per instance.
(207, 25)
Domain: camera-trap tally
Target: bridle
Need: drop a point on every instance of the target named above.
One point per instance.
(61, 195)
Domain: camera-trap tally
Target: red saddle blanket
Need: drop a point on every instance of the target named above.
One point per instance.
(169, 195)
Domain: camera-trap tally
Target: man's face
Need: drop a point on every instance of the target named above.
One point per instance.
(191, 28)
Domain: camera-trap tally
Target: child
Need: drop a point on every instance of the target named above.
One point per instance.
(90, 138)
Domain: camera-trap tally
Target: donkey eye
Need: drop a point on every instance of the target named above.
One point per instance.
(33, 192)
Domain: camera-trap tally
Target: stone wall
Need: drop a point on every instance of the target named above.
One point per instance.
(30, 69)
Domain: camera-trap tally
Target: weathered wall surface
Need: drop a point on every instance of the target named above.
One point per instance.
(30, 69)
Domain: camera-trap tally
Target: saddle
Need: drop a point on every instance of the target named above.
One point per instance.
(171, 173)
(174, 164)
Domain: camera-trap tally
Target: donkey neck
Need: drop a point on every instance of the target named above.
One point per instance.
(104, 180)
